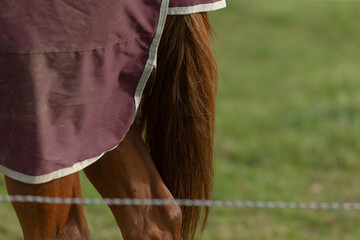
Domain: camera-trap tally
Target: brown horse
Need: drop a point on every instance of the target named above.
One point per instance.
(176, 119)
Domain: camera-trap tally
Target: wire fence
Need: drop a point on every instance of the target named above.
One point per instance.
(183, 202)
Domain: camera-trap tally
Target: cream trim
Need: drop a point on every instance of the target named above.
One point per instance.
(197, 8)
(151, 62)
(50, 176)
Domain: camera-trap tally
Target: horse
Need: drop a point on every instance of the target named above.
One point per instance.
(166, 154)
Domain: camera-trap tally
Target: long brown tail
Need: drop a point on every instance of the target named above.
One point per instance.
(178, 117)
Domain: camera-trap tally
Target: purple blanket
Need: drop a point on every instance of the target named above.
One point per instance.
(71, 77)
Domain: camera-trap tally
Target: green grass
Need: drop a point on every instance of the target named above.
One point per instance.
(288, 122)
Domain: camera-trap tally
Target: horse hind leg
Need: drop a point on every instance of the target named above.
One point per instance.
(50, 221)
(129, 172)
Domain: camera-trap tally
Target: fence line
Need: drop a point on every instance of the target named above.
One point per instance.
(183, 202)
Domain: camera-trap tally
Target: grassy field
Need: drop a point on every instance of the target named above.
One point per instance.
(288, 122)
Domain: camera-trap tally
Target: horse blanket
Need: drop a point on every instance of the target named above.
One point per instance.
(71, 77)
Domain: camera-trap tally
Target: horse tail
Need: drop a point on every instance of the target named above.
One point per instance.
(178, 117)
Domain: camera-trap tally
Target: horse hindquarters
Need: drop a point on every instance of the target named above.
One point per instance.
(129, 172)
(50, 221)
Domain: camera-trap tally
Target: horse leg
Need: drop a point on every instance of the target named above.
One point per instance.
(50, 221)
(129, 172)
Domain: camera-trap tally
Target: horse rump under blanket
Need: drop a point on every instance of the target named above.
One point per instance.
(71, 77)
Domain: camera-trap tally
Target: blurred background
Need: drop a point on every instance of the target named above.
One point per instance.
(288, 122)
